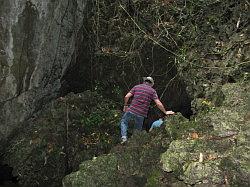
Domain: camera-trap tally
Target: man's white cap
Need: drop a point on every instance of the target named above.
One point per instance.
(150, 79)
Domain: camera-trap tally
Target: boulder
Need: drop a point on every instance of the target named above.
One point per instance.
(213, 147)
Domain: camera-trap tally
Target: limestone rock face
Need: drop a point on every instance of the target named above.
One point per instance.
(37, 40)
(209, 149)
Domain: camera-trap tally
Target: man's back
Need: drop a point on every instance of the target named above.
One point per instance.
(143, 94)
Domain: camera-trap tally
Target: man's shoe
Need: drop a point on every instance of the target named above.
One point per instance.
(124, 140)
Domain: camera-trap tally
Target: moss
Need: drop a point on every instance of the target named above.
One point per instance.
(205, 172)
(233, 170)
(154, 179)
(43, 143)
(101, 171)
(177, 154)
(178, 129)
(173, 161)
(137, 164)
(222, 127)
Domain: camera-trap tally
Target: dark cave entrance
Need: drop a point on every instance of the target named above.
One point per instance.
(90, 69)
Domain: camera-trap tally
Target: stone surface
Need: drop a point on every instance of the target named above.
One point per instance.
(37, 40)
(105, 169)
(133, 164)
(215, 149)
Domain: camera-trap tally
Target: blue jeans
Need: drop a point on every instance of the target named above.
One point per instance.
(127, 116)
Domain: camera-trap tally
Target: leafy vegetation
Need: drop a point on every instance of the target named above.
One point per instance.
(67, 131)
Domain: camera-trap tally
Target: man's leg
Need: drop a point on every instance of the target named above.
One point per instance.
(124, 125)
(138, 122)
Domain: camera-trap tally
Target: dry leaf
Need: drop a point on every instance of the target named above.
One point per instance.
(194, 135)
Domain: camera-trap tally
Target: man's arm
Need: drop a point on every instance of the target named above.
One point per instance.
(126, 99)
(162, 108)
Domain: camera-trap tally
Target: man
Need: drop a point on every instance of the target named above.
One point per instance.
(141, 95)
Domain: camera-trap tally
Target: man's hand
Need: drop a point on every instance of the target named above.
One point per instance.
(125, 108)
(170, 112)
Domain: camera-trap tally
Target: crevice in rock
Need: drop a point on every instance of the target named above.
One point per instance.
(24, 63)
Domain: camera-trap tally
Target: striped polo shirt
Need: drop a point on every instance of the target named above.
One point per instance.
(143, 94)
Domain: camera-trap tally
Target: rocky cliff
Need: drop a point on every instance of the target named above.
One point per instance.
(37, 43)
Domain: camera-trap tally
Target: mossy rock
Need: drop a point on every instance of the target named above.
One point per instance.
(135, 164)
(179, 127)
(101, 171)
(202, 172)
(237, 169)
(181, 152)
(199, 158)
(154, 179)
(63, 135)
